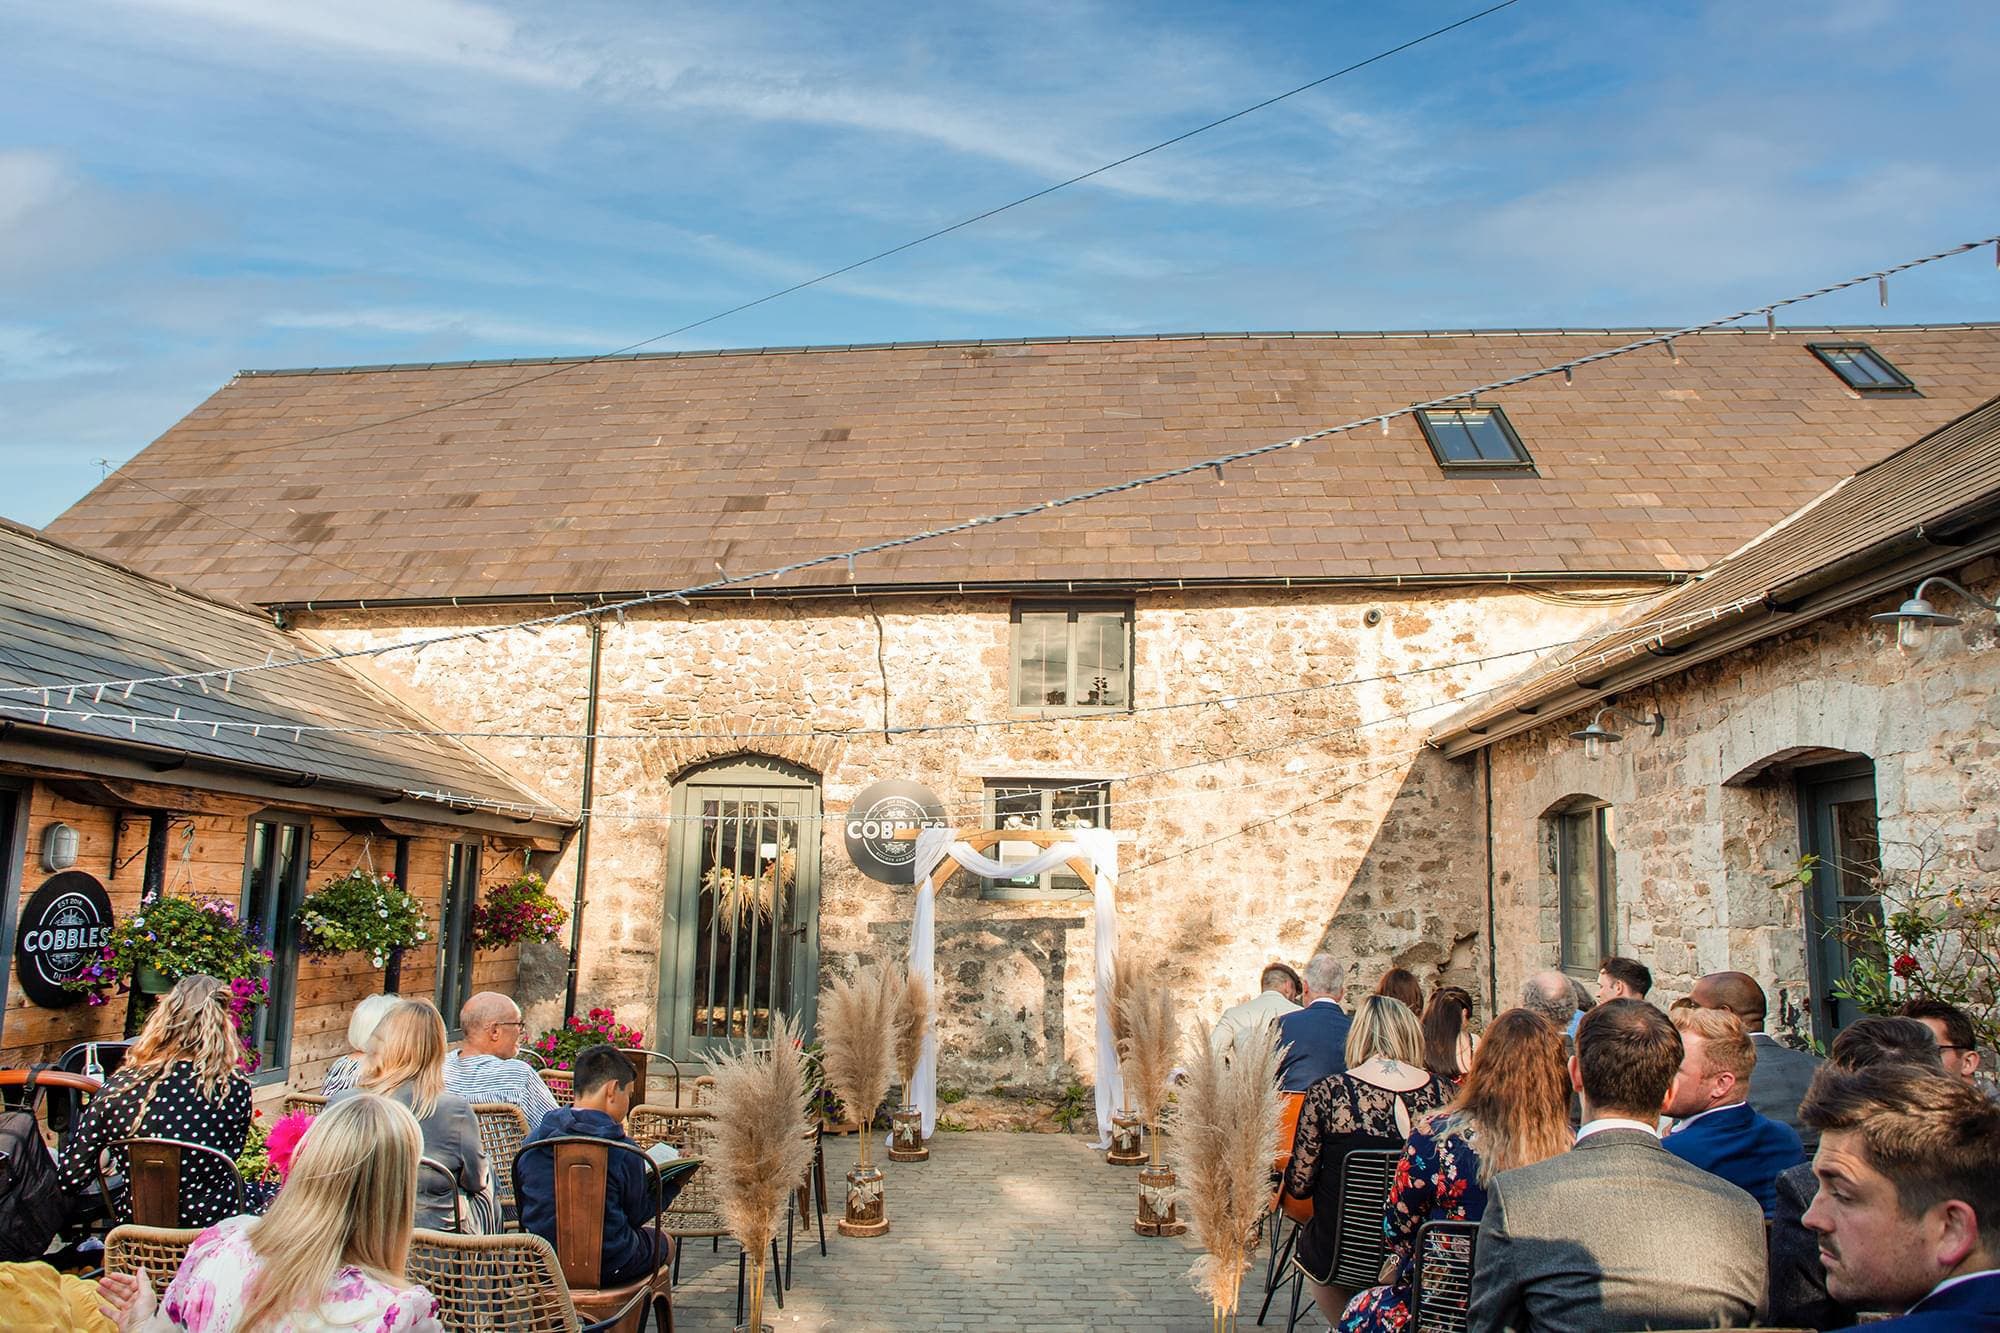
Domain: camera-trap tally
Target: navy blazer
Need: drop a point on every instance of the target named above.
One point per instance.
(1972, 1306)
(1746, 1149)
(1315, 1042)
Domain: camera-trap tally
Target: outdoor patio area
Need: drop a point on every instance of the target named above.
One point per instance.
(996, 1231)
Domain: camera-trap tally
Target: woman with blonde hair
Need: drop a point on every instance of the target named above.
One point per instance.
(405, 1063)
(328, 1257)
(1512, 1110)
(345, 1072)
(1383, 1092)
(182, 1079)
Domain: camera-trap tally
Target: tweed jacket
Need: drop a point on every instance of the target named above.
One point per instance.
(1779, 1082)
(1616, 1234)
(1315, 1039)
(1240, 1020)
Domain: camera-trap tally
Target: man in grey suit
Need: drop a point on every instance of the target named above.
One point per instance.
(1617, 1234)
(1779, 1082)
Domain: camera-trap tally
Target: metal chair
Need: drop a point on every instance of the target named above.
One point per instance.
(1441, 1299)
(159, 1250)
(153, 1178)
(1359, 1245)
(694, 1213)
(61, 1108)
(500, 1284)
(580, 1173)
(503, 1128)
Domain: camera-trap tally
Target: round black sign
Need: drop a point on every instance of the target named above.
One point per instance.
(62, 928)
(874, 820)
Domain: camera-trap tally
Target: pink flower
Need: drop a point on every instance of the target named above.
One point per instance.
(283, 1140)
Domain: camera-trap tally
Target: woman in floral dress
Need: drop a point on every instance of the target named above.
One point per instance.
(1513, 1110)
(329, 1258)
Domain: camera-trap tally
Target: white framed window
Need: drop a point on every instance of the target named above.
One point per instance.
(1071, 659)
(1041, 804)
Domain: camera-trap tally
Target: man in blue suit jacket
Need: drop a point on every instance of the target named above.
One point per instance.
(1314, 1039)
(1908, 1209)
(1716, 1128)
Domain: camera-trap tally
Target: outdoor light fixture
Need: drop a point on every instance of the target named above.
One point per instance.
(58, 847)
(1596, 736)
(1915, 619)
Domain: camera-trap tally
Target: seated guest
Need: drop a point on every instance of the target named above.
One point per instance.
(1313, 1038)
(1278, 988)
(1714, 1125)
(1617, 1234)
(1623, 979)
(484, 1067)
(1383, 1091)
(1549, 994)
(1796, 1293)
(1958, 1045)
(1908, 1209)
(1513, 1110)
(343, 1073)
(1399, 983)
(405, 1063)
(1782, 1073)
(328, 1257)
(1448, 1033)
(604, 1091)
(182, 1079)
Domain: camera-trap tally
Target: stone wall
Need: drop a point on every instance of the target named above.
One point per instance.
(1707, 816)
(1383, 864)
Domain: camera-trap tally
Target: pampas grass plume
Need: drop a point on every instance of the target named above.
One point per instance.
(913, 1022)
(1224, 1142)
(760, 1144)
(1153, 1035)
(857, 1019)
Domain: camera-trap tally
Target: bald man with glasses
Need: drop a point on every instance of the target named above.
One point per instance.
(484, 1067)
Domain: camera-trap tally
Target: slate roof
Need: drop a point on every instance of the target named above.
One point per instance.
(66, 617)
(1916, 510)
(643, 473)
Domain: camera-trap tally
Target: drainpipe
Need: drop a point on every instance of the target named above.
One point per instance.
(1492, 944)
(583, 828)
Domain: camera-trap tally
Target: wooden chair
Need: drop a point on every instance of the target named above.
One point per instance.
(159, 1250)
(153, 1177)
(500, 1284)
(1359, 1247)
(581, 1173)
(503, 1128)
(1440, 1301)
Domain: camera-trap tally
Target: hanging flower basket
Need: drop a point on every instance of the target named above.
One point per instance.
(521, 909)
(171, 938)
(361, 912)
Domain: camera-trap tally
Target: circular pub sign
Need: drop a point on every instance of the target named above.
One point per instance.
(878, 815)
(61, 929)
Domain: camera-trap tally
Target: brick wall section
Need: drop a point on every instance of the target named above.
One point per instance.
(1392, 872)
(1707, 816)
(327, 989)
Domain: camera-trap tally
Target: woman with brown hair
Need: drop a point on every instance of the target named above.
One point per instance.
(1399, 983)
(405, 1063)
(1448, 1033)
(1512, 1110)
(182, 1079)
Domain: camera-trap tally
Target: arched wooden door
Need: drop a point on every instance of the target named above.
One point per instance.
(740, 938)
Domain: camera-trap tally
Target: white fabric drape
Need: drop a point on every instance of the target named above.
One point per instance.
(1100, 848)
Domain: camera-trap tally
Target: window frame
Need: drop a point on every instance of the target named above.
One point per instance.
(1045, 889)
(1902, 383)
(1522, 461)
(456, 957)
(1605, 891)
(273, 1020)
(1070, 609)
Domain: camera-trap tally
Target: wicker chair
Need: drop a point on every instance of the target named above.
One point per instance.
(159, 1250)
(503, 1128)
(561, 1087)
(499, 1284)
(693, 1212)
(303, 1101)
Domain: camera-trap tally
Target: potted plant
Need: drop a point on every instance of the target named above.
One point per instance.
(362, 911)
(521, 909)
(559, 1047)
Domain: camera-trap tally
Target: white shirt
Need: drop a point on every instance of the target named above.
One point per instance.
(1615, 1122)
(1680, 1125)
(488, 1078)
(1954, 1281)
(1240, 1020)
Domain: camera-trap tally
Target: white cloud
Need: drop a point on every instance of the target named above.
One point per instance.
(30, 353)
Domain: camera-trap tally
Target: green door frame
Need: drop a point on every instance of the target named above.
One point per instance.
(1835, 888)
(760, 779)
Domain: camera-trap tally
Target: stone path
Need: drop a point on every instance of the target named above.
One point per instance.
(997, 1231)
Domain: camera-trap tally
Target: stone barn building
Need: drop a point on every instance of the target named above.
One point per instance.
(1239, 671)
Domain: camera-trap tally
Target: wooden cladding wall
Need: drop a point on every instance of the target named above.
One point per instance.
(210, 864)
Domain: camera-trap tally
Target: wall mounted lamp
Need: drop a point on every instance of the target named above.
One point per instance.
(1596, 736)
(59, 842)
(1916, 618)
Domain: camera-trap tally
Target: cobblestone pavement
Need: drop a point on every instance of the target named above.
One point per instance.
(997, 1231)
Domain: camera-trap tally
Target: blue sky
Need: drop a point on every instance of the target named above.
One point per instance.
(189, 187)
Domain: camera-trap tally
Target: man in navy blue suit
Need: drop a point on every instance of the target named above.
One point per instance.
(1715, 1127)
(1908, 1208)
(1314, 1038)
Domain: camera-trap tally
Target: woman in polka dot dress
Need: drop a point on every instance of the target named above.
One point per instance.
(182, 1079)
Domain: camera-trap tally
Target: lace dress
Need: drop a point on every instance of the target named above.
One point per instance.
(1437, 1181)
(1342, 1113)
(208, 1294)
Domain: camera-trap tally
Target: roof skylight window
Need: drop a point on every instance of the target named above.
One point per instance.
(1861, 367)
(1473, 437)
